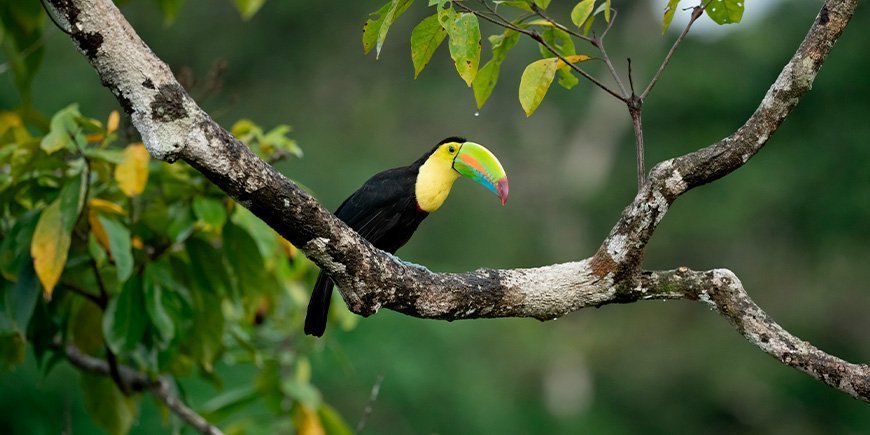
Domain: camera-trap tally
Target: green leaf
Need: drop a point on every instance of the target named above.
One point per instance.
(558, 39)
(170, 10)
(669, 14)
(119, 247)
(582, 11)
(245, 259)
(535, 82)
(211, 211)
(124, 320)
(375, 29)
(15, 247)
(21, 299)
(607, 11)
(13, 349)
(247, 8)
(485, 81)
(50, 247)
(332, 421)
(725, 11)
(63, 129)
(567, 79)
(304, 392)
(109, 407)
(464, 32)
(425, 39)
(154, 274)
(542, 3)
(525, 5)
(230, 402)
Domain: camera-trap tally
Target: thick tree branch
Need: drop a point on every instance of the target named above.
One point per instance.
(139, 382)
(174, 127)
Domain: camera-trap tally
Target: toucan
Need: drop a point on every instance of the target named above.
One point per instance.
(388, 207)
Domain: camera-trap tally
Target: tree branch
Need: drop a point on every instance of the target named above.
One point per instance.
(174, 127)
(139, 382)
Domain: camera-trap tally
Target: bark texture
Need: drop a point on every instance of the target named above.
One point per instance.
(174, 127)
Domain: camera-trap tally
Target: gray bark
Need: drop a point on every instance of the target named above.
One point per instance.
(174, 127)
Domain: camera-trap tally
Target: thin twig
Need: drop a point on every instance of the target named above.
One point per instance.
(630, 79)
(537, 37)
(560, 26)
(600, 45)
(596, 42)
(89, 296)
(634, 109)
(376, 389)
(696, 13)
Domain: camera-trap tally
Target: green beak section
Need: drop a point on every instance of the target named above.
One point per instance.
(477, 163)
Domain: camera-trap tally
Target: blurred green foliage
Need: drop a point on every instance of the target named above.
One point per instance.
(791, 224)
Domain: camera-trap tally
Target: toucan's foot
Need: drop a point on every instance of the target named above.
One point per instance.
(406, 263)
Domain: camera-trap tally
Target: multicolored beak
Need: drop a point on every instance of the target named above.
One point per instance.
(477, 163)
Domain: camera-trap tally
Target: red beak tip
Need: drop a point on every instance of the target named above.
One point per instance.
(502, 187)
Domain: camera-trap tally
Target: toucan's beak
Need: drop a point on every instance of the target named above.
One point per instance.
(477, 163)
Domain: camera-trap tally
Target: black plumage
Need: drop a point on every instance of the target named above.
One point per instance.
(384, 211)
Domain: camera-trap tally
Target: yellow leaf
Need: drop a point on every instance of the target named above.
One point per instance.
(96, 137)
(106, 206)
(535, 82)
(540, 22)
(573, 59)
(50, 247)
(112, 123)
(132, 174)
(310, 423)
(136, 242)
(98, 230)
(288, 247)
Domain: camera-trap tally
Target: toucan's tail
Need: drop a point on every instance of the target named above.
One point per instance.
(318, 306)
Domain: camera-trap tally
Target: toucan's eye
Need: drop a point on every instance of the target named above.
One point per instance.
(452, 149)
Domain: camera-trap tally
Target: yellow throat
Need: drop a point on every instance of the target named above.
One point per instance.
(436, 177)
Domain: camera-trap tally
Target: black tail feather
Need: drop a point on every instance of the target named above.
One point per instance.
(318, 306)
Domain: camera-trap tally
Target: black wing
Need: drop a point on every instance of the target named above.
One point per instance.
(381, 206)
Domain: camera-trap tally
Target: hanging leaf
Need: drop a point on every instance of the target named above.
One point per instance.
(542, 3)
(332, 421)
(132, 174)
(211, 211)
(425, 39)
(559, 40)
(487, 77)
(669, 14)
(15, 247)
(582, 11)
(154, 274)
(464, 44)
(125, 318)
(63, 129)
(109, 407)
(113, 122)
(309, 422)
(118, 246)
(245, 259)
(535, 82)
(52, 236)
(607, 11)
(376, 28)
(725, 11)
